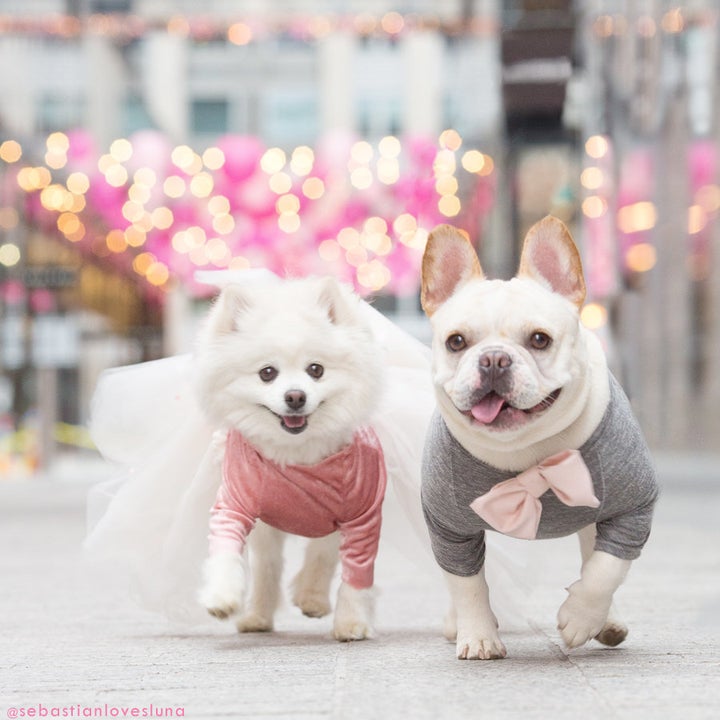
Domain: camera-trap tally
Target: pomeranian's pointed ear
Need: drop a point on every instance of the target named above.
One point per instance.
(337, 301)
(550, 257)
(449, 262)
(229, 304)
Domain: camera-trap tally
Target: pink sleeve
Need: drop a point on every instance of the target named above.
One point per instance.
(361, 535)
(233, 515)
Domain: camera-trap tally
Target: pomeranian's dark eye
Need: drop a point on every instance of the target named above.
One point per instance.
(456, 343)
(315, 371)
(268, 374)
(540, 340)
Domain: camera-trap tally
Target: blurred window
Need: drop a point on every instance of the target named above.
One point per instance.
(209, 116)
(137, 116)
(290, 115)
(111, 6)
(59, 112)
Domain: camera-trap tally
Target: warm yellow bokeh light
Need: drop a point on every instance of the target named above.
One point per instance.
(121, 150)
(202, 185)
(287, 204)
(289, 222)
(58, 142)
(273, 161)
(142, 262)
(218, 205)
(280, 183)
(637, 217)
(697, 219)
(450, 140)
(449, 205)
(157, 274)
(302, 160)
(213, 158)
(9, 255)
(362, 152)
(473, 161)
(594, 207)
(641, 257)
(313, 188)
(174, 186)
(348, 238)
(596, 146)
(392, 23)
(116, 242)
(239, 34)
(10, 151)
(592, 178)
(361, 178)
(388, 170)
(594, 316)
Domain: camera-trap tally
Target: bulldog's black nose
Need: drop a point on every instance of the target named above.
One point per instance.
(494, 364)
(295, 399)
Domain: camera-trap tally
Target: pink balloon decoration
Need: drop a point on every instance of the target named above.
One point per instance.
(242, 156)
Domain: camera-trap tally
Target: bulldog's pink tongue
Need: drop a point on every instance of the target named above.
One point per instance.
(488, 408)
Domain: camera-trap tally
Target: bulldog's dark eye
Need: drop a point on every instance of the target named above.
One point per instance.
(268, 374)
(540, 340)
(315, 371)
(456, 343)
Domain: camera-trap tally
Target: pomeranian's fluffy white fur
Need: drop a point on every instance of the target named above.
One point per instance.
(289, 326)
(326, 372)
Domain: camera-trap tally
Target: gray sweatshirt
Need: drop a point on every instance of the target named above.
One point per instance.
(623, 480)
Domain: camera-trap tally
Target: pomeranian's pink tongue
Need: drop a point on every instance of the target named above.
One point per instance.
(294, 421)
(488, 408)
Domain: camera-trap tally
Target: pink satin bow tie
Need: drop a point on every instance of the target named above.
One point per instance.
(512, 507)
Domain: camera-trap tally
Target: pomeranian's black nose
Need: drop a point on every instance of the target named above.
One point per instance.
(295, 399)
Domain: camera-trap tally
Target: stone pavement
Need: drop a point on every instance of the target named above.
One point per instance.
(70, 648)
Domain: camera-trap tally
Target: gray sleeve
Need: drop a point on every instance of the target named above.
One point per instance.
(456, 551)
(625, 527)
(631, 488)
(457, 554)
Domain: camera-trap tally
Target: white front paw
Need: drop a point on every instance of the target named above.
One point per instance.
(353, 614)
(479, 643)
(224, 585)
(582, 616)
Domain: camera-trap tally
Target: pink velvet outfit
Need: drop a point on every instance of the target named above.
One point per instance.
(342, 492)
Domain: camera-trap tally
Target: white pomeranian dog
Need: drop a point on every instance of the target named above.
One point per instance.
(291, 373)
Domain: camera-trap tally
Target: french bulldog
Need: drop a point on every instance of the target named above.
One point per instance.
(533, 437)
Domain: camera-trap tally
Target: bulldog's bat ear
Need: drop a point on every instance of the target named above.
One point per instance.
(550, 257)
(449, 262)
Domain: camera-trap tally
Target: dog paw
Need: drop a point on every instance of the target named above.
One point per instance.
(350, 630)
(253, 622)
(353, 614)
(612, 634)
(223, 590)
(582, 617)
(486, 646)
(312, 603)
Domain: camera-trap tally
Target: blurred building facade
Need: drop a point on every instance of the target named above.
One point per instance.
(533, 84)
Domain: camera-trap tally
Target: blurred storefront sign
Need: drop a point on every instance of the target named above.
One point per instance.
(51, 277)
